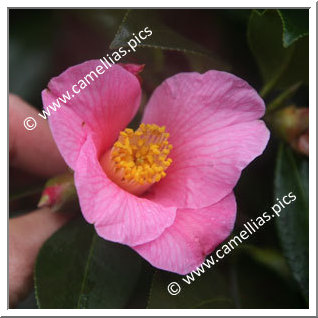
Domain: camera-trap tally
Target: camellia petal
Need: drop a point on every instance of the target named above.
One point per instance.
(213, 126)
(101, 109)
(194, 234)
(118, 215)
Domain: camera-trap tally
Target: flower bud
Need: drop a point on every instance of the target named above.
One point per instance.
(59, 194)
(292, 125)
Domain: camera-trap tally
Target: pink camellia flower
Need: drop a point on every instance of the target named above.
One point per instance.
(166, 189)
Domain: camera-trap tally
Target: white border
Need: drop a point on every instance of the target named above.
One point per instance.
(312, 163)
(312, 157)
(162, 3)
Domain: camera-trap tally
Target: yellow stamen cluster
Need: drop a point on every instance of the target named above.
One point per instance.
(141, 156)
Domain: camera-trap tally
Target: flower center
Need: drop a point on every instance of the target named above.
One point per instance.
(138, 158)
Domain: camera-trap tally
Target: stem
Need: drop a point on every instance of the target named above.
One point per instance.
(278, 101)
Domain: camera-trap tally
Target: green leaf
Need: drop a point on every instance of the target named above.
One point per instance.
(238, 281)
(295, 24)
(260, 287)
(279, 66)
(264, 37)
(162, 37)
(292, 175)
(77, 269)
(199, 294)
(298, 68)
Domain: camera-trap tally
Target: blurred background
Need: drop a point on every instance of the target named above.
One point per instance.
(271, 269)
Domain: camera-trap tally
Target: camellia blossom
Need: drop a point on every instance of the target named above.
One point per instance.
(165, 189)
